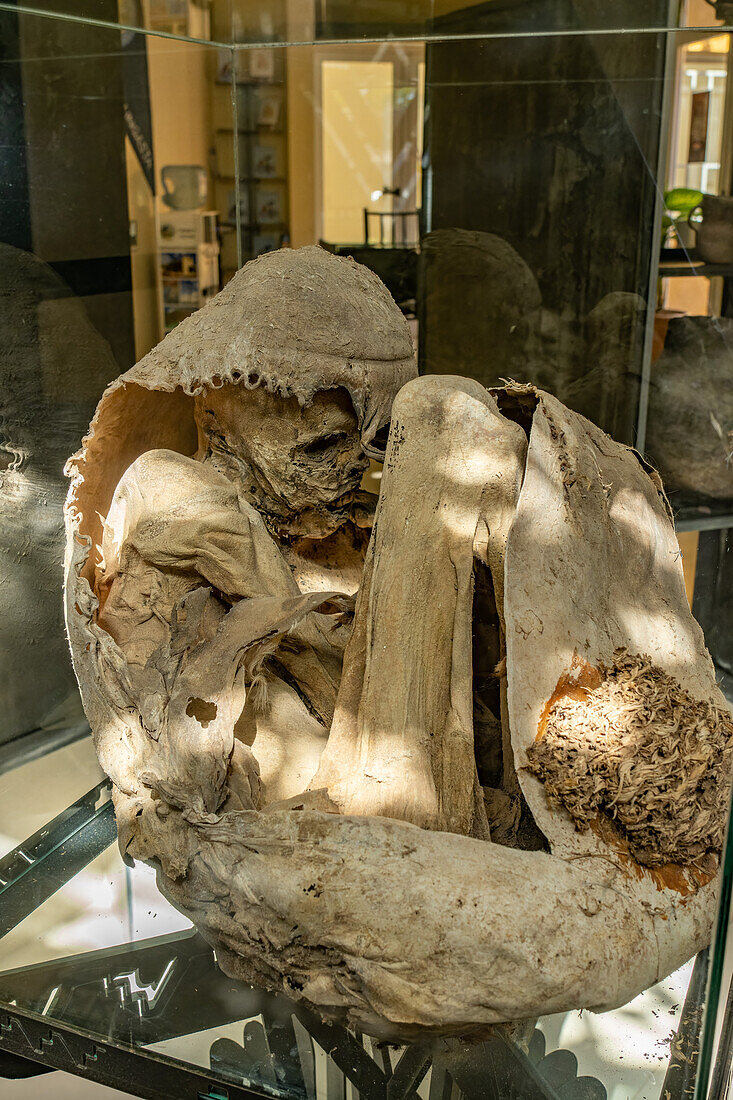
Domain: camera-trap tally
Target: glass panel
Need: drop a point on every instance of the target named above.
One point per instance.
(67, 323)
(253, 22)
(509, 189)
(716, 1040)
(104, 906)
(512, 217)
(104, 134)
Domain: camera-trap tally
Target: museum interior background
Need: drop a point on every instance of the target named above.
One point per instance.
(512, 192)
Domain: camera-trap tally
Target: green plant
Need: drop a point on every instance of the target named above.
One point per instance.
(679, 203)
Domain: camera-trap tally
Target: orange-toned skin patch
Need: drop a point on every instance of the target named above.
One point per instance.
(685, 879)
(574, 684)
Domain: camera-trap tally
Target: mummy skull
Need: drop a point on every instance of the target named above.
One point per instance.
(287, 458)
(302, 771)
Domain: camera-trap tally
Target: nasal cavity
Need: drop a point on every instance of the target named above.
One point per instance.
(202, 710)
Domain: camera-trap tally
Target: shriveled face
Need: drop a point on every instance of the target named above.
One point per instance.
(288, 458)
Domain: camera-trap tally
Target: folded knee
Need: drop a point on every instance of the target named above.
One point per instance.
(437, 400)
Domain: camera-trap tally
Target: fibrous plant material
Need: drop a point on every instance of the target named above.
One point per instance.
(309, 736)
(642, 750)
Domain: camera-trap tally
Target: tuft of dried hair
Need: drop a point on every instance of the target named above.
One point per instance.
(641, 750)
(256, 672)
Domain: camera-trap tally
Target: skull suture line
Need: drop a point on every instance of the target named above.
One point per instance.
(359, 869)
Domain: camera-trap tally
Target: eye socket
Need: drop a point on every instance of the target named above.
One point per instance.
(324, 443)
(380, 439)
(378, 446)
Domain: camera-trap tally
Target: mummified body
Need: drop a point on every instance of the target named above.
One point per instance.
(309, 772)
(181, 525)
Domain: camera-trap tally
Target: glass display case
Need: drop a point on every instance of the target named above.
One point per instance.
(544, 187)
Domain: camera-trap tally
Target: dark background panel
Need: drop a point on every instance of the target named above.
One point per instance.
(550, 144)
(66, 327)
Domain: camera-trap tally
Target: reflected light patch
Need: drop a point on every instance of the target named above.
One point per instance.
(718, 44)
(639, 1033)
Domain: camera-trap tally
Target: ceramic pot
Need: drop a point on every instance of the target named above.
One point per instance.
(715, 233)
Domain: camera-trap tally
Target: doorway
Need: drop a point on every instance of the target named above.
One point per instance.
(369, 143)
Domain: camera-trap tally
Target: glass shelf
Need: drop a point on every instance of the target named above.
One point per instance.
(100, 976)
